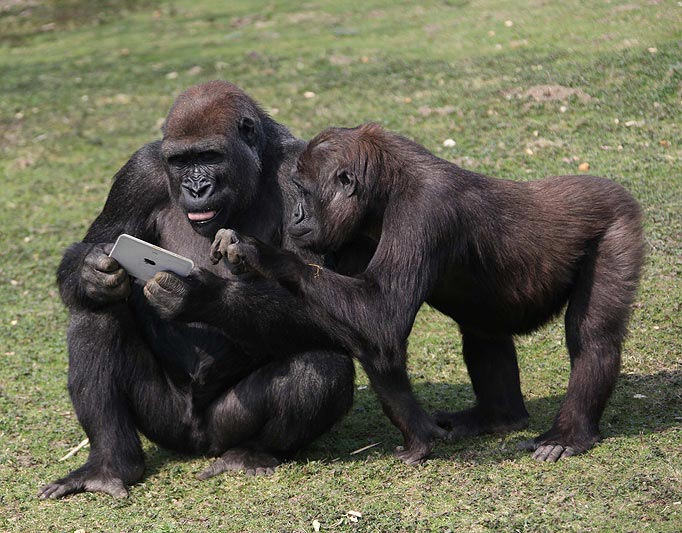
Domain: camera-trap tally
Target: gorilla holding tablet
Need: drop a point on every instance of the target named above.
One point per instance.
(230, 386)
(248, 359)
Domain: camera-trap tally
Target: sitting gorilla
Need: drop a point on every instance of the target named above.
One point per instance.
(248, 391)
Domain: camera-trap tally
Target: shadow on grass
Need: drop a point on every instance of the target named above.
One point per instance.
(26, 20)
(641, 404)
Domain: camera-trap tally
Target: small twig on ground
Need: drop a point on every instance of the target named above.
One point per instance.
(365, 448)
(73, 451)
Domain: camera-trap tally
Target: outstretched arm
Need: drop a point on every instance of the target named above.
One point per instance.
(250, 310)
(380, 314)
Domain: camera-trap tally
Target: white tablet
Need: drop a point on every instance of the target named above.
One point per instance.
(142, 260)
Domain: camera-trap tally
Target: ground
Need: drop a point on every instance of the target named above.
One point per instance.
(514, 89)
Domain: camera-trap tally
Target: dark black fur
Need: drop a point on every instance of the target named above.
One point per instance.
(500, 257)
(242, 388)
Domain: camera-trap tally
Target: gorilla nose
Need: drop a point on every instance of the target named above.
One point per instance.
(299, 213)
(197, 188)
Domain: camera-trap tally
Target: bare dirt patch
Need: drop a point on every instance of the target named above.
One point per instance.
(548, 93)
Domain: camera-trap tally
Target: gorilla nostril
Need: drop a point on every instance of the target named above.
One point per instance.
(203, 189)
(197, 189)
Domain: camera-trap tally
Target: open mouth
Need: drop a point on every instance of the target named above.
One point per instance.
(202, 217)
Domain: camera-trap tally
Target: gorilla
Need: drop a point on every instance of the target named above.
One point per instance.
(240, 386)
(499, 257)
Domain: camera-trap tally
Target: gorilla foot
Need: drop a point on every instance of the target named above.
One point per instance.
(414, 454)
(84, 481)
(471, 422)
(417, 449)
(551, 447)
(251, 462)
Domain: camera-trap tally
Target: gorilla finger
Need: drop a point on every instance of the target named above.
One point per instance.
(56, 491)
(169, 281)
(216, 248)
(152, 291)
(47, 490)
(555, 454)
(123, 290)
(98, 260)
(197, 276)
(543, 452)
(90, 276)
(218, 466)
(230, 236)
(568, 452)
(107, 264)
(234, 255)
(115, 279)
(216, 255)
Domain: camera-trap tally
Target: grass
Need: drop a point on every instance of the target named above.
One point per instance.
(83, 88)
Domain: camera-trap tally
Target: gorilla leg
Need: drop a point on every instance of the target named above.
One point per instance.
(596, 321)
(277, 410)
(110, 371)
(494, 374)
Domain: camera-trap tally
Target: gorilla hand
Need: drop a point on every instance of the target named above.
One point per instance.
(175, 297)
(240, 251)
(250, 254)
(103, 279)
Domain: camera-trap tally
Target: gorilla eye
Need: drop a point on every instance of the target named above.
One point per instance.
(300, 188)
(176, 161)
(209, 157)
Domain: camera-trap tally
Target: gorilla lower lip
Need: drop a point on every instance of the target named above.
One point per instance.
(204, 216)
(300, 233)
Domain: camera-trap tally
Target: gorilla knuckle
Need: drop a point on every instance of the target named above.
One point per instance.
(170, 282)
(114, 280)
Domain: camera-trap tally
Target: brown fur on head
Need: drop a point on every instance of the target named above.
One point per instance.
(345, 167)
(211, 108)
(359, 150)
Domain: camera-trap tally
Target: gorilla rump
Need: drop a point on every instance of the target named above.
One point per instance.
(499, 257)
(245, 391)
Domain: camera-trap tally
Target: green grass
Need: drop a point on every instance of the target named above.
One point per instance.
(81, 89)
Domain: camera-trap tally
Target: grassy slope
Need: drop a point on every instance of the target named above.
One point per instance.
(77, 101)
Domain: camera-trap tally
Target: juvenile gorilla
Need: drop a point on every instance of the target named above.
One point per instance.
(499, 257)
(241, 388)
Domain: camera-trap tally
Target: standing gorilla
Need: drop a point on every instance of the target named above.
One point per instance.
(499, 257)
(246, 392)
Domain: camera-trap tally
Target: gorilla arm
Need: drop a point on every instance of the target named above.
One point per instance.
(87, 276)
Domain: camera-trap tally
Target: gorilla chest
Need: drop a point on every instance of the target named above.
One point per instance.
(193, 355)
(176, 234)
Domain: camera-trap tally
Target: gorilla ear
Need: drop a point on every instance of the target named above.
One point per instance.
(247, 128)
(347, 180)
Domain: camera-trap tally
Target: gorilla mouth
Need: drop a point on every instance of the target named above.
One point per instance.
(297, 233)
(202, 217)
